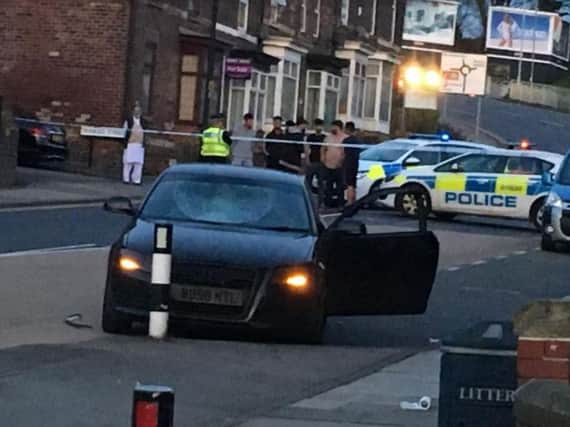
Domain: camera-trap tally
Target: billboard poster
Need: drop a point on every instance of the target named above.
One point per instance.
(464, 73)
(560, 37)
(519, 30)
(430, 22)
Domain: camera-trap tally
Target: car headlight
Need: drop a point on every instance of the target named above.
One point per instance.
(296, 278)
(554, 200)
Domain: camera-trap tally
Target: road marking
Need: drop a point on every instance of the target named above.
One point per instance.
(537, 249)
(52, 207)
(454, 268)
(501, 257)
(49, 250)
(519, 252)
(480, 262)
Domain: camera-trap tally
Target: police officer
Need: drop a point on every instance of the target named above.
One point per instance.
(216, 142)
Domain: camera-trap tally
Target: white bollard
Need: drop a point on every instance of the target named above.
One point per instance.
(160, 281)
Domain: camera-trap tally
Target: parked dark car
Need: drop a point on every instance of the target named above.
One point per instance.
(40, 143)
(249, 249)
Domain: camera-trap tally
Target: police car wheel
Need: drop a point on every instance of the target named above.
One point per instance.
(407, 202)
(547, 244)
(537, 214)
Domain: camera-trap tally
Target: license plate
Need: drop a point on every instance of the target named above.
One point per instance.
(57, 138)
(207, 295)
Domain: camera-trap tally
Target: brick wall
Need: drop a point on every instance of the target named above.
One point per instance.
(66, 56)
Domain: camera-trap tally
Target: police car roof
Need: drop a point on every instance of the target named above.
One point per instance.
(425, 142)
(237, 172)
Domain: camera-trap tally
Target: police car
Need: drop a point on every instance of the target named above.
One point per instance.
(498, 182)
(391, 157)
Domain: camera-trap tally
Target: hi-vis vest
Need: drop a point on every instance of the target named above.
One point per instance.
(213, 144)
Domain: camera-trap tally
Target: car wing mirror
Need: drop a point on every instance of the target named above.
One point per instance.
(412, 162)
(122, 205)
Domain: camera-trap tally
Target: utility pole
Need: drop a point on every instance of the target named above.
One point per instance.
(211, 59)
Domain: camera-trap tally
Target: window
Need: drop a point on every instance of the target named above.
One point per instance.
(524, 166)
(303, 26)
(373, 73)
(275, 11)
(322, 96)
(270, 101)
(148, 77)
(420, 15)
(317, 19)
(248, 97)
(344, 11)
(289, 91)
(426, 156)
(343, 104)
(188, 96)
(218, 199)
(386, 92)
(359, 85)
(243, 11)
(478, 163)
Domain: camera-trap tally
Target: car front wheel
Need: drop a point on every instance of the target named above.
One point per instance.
(536, 216)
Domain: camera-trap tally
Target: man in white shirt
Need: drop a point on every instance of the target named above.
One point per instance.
(133, 156)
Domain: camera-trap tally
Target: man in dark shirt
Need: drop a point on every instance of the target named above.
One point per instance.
(274, 148)
(290, 154)
(351, 161)
(314, 151)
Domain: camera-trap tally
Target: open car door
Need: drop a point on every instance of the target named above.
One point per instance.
(377, 273)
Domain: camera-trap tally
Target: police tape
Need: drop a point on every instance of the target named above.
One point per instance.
(119, 133)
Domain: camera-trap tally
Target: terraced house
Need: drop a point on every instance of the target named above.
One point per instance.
(185, 59)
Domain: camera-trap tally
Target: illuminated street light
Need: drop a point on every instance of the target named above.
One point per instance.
(433, 79)
(413, 76)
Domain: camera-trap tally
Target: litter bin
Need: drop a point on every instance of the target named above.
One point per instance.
(478, 377)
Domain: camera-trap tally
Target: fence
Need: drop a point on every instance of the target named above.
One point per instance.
(555, 97)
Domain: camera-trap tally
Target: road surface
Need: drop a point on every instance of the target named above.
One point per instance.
(82, 377)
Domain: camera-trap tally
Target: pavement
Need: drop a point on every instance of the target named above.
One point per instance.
(37, 187)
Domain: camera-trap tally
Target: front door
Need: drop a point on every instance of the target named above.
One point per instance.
(377, 273)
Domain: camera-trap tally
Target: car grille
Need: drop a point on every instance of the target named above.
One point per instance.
(565, 223)
(193, 274)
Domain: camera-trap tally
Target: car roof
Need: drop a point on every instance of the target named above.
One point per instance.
(238, 172)
(427, 142)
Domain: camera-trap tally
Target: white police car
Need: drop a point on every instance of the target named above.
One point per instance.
(391, 157)
(498, 182)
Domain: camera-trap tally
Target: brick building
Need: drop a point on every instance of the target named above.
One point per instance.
(89, 61)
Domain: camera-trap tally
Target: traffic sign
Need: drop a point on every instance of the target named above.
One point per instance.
(464, 73)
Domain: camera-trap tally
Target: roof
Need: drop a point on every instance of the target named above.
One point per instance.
(423, 142)
(237, 172)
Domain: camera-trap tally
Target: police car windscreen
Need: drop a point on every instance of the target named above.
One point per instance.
(565, 173)
(387, 152)
(228, 201)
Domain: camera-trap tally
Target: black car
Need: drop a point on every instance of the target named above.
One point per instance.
(40, 142)
(249, 249)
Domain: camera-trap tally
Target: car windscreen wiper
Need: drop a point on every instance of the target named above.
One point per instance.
(280, 228)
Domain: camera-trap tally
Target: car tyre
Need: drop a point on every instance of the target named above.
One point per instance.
(547, 244)
(406, 201)
(536, 216)
(112, 321)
